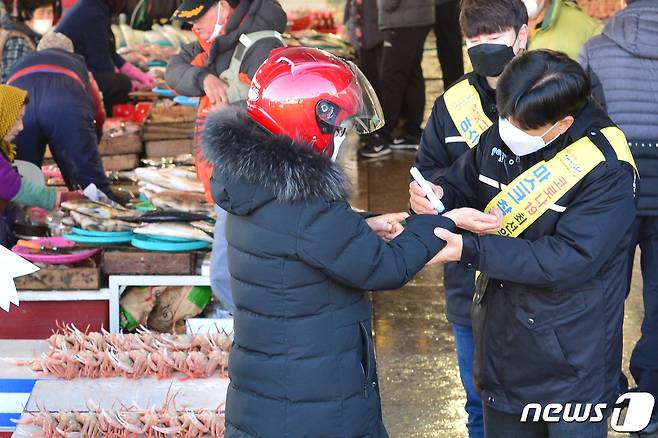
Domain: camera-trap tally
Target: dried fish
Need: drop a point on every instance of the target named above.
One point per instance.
(174, 229)
(173, 202)
(171, 178)
(171, 216)
(204, 226)
(89, 223)
(99, 210)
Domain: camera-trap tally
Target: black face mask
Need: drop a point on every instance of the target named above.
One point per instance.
(489, 60)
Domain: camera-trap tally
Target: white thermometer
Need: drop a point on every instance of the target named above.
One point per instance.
(429, 193)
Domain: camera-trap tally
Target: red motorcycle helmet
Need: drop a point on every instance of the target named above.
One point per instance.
(312, 97)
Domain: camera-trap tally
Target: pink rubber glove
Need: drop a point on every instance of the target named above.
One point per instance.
(137, 75)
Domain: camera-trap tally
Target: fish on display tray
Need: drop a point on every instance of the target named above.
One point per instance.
(204, 226)
(90, 223)
(99, 210)
(174, 229)
(145, 186)
(199, 198)
(172, 202)
(171, 178)
(171, 216)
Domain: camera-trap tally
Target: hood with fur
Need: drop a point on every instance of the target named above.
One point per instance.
(251, 163)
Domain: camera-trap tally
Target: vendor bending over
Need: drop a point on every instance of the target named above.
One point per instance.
(14, 189)
(549, 303)
(300, 258)
(62, 113)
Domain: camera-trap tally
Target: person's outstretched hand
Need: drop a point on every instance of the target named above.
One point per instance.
(419, 202)
(475, 221)
(68, 196)
(387, 226)
(452, 252)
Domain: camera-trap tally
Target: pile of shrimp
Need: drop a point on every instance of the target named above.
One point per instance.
(75, 353)
(130, 421)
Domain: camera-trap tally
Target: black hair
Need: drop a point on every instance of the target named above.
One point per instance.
(482, 17)
(26, 8)
(540, 87)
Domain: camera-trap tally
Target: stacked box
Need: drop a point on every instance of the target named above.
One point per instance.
(121, 152)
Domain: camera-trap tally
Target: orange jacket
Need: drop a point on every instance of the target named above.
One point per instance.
(203, 167)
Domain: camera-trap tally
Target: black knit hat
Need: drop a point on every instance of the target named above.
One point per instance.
(191, 10)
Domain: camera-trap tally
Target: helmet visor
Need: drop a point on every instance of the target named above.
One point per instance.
(370, 117)
(359, 107)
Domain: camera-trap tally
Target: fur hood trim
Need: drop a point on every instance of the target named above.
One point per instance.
(293, 172)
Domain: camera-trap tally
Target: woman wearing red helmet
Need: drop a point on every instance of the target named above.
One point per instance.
(300, 258)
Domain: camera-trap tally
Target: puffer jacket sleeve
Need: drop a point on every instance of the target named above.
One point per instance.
(10, 180)
(182, 76)
(585, 237)
(460, 181)
(100, 54)
(337, 240)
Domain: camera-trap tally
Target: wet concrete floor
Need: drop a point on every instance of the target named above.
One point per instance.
(422, 396)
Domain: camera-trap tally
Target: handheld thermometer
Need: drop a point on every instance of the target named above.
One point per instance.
(429, 193)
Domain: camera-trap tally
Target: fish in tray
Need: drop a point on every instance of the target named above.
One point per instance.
(204, 226)
(179, 203)
(91, 223)
(171, 178)
(98, 210)
(170, 216)
(174, 229)
(199, 198)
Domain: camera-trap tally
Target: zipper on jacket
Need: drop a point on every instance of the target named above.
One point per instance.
(367, 348)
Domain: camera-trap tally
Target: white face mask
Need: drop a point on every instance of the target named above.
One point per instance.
(218, 27)
(519, 141)
(43, 26)
(532, 7)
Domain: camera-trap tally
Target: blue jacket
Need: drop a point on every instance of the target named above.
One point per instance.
(60, 114)
(301, 261)
(439, 148)
(57, 57)
(88, 25)
(548, 308)
(623, 63)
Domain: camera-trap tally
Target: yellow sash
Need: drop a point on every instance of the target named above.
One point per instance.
(533, 192)
(465, 109)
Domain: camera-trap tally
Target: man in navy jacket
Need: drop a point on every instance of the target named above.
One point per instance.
(549, 302)
(60, 113)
